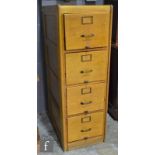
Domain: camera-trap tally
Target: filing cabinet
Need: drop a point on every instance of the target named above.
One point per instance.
(77, 41)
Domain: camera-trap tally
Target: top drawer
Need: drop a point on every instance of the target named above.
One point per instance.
(86, 30)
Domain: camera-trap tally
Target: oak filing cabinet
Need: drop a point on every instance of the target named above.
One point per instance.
(77, 51)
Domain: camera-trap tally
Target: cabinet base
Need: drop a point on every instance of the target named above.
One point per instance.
(85, 143)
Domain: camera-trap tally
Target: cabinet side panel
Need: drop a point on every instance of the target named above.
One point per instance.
(54, 87)
(53, 58)
(51, 34)
(62, 78)
(108, 71)
(51, 28)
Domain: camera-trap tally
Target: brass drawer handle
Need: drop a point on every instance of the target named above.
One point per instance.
(86, 81)
(83, 103)
(86, 130)
(87, 35)
(86, 71)
(85, 138)
(87, 47)
(86, 112)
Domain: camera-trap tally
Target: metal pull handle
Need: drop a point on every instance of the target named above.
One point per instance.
(87, 35)
(86, 130)
(86, 71)
(87, 47)
(85, 138)
(83, 103)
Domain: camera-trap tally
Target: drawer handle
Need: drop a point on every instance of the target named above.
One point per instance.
(86, 112)
(87, 35)
(86, 130)
(85, 138)
(86, 71)
(87, 47)
(83, 103)
(86, 81)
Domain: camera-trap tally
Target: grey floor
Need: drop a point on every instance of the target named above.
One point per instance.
(109, 147)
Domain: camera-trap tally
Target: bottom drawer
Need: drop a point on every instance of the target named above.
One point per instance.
(85, 126)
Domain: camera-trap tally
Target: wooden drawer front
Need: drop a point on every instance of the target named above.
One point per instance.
(85, 126)
(86, 67)
(86, 30)
(85, 98)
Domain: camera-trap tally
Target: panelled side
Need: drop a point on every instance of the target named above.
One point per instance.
(51, 34)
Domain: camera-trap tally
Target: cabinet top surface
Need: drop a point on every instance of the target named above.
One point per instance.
(79, 7)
